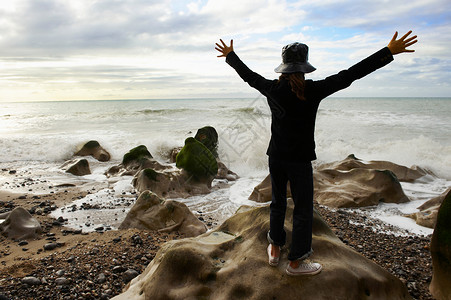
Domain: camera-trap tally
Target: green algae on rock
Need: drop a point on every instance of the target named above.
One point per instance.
(136, 154)
(197, 160)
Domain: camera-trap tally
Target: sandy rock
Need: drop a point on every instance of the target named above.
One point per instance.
(231, 263)
(440, 286)
(357, 188)
(348, 183)
(427, 216)
(79, 167)
(403, 173)
(168, 184)
(94, 149)
(20, 225)
(153, 213)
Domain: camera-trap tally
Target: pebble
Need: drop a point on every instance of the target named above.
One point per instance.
(101, 278)
(62, 281)
(31, 280)
(129, 275)
(50, 246)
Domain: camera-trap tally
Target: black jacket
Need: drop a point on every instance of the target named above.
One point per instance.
(293, 120)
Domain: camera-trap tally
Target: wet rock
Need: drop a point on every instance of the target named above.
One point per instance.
(78, 167)
(427, 216)
(94, 149)
(198, 161)
(209, 138)
(19, 224)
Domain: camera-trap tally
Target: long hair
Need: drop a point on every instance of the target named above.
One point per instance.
(297, 83)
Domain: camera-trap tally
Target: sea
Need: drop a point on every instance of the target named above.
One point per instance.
(36, 138)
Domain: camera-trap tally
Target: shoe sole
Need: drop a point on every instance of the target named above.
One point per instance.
(303, 274)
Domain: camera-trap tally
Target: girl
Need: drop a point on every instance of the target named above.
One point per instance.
(294, 102)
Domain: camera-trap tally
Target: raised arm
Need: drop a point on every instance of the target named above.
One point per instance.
(224, 49)
(399, 46)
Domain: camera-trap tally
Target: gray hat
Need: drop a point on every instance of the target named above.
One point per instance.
(295, 59)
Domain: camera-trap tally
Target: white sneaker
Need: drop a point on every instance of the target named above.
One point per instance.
(273, 260)
(306, 267)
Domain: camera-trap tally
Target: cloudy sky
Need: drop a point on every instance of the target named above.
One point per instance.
(146, 49)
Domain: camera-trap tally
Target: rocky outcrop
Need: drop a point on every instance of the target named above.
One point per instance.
(94, 149)
(78, 167)
(441, 252)
(19, 224)
(231, 263)
(151, 212)
(357, 188)
(209, 138)
(349, 183)
(198, 161)
(427, 216)
(404, 174)
(168, 184)
(137, 159)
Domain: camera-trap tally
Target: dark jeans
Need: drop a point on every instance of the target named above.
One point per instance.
(300, 176)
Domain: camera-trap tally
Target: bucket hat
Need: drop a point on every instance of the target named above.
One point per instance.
(295, 59)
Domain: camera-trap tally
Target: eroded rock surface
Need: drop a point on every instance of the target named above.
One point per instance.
(231, 263)
(427, 216)
(19, 224)
(94, 149)
(441, 252)
(151, 212)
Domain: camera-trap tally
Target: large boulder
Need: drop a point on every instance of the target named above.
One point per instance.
(79, 167)
(94, 149)
(168, 184)
(427, 216)
(440, 286)
(231, 263)
(19, 224)
(357, 188)
(345, 184)
(151, 212)
(404, 174)
(209, 137)
(198, 161)
(135, 160)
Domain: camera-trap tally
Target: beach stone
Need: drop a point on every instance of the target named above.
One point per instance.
(31, 280)
(20, 225)
(93, 148)
(209, 138)
(78, 168)
(440, 286)
(62, 281)
(230, 262)
(427, 216)
(129, 275)
(50, 246)
(198, 161)
(225, 173)
(151, 212)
